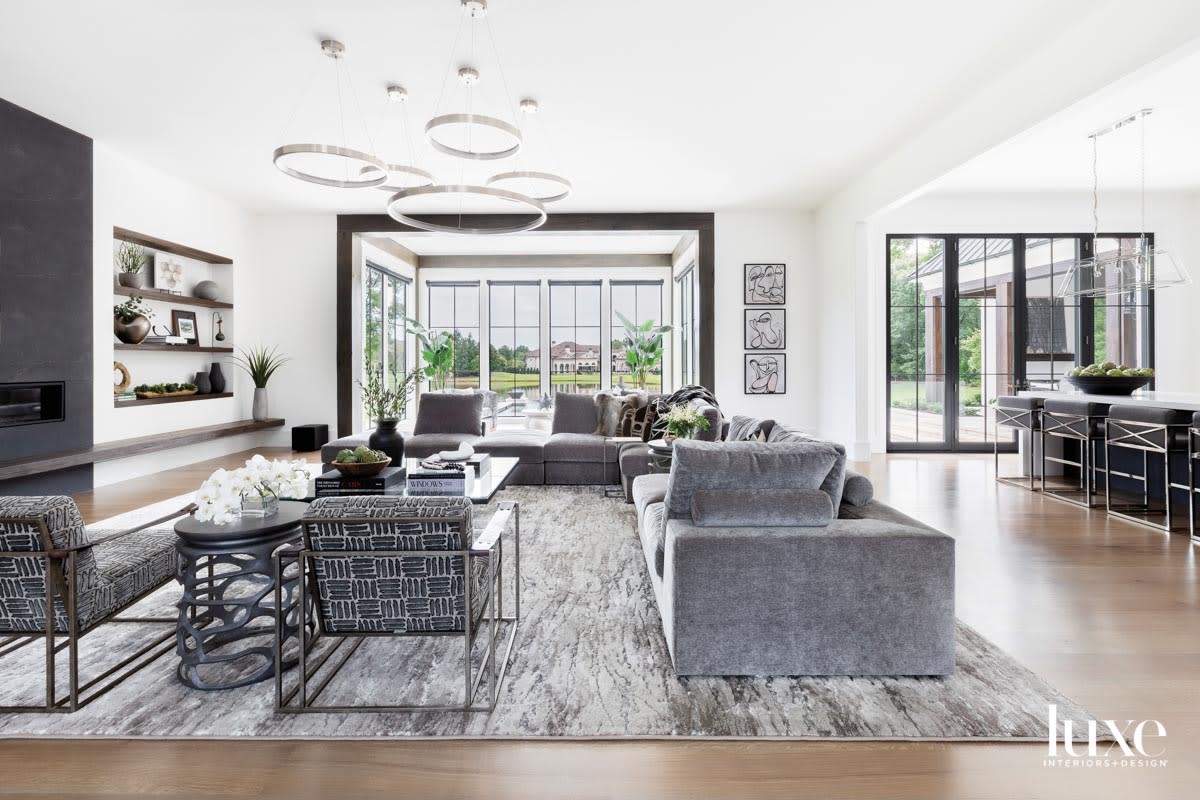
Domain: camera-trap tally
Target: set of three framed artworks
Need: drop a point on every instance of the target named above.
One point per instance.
(765, 328)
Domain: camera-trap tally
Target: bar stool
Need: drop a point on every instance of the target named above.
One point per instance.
(1193, 457)
(1023, 413)
(1080, 421)
(1158, 431)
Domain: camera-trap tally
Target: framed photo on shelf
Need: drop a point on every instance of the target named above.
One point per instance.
(184, 325)
(765, 284)
(765, 329)
(766, 373)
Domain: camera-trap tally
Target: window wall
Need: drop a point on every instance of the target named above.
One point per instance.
(689, 327)
(385, 305)
(514, 327)
(454, 308)
(574, 359)
(639, 302)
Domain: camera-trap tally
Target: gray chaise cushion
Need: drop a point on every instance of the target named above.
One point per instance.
(526, 445)
(858, 489)
(579, 447)
(800, 508)
(747, 429)
(440, 412)
(574, 413)
(752, 465)
(423, 445)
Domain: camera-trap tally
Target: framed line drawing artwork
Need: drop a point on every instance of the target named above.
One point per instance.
(765, 329)
(765, 284)
(766, 373)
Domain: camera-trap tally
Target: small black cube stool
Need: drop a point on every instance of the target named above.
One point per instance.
(1153, 431)
(309, 438)
(1024, 413)
(228, 576)
(1080, 421)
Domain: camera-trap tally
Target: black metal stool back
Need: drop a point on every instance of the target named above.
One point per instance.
(1152, 431)
(1080, 421)
(1024, 413)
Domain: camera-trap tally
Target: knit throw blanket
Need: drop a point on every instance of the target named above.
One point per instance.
(687, 394)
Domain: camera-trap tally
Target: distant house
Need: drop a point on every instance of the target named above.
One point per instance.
(567, 357)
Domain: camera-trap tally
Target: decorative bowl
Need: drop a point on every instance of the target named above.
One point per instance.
(1107, 385)
(355, 469)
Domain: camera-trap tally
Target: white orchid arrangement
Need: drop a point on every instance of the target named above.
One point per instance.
(220, 497)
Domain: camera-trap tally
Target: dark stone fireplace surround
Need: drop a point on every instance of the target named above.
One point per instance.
(46, 278)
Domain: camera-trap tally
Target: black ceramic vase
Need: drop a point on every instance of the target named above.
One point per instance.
(216, 378)
(385, 437)
(202, 383)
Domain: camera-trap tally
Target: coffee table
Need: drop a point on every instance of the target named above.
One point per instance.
(485, 488)
(228, 578)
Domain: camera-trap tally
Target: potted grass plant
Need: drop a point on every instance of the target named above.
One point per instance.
(131, 260)
(260, 363)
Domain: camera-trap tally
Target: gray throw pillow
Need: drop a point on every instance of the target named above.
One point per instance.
(746, 429)
(746, 508)
(441, 412)
(574, 413)
(608, 414)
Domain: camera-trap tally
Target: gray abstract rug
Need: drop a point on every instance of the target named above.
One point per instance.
(590, 662)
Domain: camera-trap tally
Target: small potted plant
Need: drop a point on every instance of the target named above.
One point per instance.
(683, 421)
(387, 407)
(131, 259)
(131, 320)
(260, 363)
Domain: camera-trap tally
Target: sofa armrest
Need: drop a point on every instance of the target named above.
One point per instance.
(859, 597)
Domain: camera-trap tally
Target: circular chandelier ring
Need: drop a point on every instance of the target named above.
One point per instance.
(541, 176)
(473, 119)
(373, 173)
(536, 206)
(404, 169)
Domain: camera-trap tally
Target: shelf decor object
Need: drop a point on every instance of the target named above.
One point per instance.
(260, 363)
(131, 320)
(1122, 271)
(131, 260)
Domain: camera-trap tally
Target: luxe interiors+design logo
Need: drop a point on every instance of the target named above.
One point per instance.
(1132, 744)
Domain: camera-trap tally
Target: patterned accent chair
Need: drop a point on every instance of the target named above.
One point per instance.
(400, 566)
(60, 579)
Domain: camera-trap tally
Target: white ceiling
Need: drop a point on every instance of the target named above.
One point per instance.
(522, 244)
(1057, 154)
(705, 105)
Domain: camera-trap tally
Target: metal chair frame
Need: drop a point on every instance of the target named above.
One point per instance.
(1135, 435)
(62, 562)
(488, 544)
(1065, 426)
(1028, 419)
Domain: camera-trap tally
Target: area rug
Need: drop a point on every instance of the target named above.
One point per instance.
(590, 661)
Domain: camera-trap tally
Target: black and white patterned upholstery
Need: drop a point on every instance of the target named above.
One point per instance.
(393, 594)
(110, 575)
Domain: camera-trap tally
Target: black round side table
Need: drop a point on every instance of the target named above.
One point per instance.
(228, 577)
(661, 454)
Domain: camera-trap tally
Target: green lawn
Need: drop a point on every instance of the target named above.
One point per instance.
(504, 382)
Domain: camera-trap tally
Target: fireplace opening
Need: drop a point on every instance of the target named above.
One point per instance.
(30, 403)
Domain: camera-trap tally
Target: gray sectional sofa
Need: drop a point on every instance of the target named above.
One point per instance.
(766, 560)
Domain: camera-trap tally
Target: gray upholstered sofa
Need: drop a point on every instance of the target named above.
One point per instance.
(765, 561)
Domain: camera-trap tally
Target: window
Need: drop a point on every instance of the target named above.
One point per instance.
(454, 309)
(1003, 328)
(639, 302)
(573, 362)
(385, 304)
(689, 327)
(514, 326)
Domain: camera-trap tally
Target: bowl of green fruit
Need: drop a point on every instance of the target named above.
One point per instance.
(1109, 378)
(361, 462)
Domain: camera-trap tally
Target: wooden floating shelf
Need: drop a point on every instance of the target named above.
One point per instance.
(154, 243)
(175, 348)
(167, 297)
(125, 448)
(150, 401)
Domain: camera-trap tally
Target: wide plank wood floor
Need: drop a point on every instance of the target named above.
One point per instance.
(1107, 611)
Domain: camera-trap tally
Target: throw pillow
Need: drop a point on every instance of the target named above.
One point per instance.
(747, 429)
(608, 414)
(573, 413)
(643, 422)
(741, 508)
(630, 403)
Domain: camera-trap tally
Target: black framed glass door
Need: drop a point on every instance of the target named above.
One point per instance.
(973, 317)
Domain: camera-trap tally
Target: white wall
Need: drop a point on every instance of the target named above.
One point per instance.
(131, 195)
(767, 237)
(1173, 218)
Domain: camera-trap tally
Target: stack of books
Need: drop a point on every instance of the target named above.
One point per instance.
(335, 484)
(125, 397)
(425, 482)
(165, 340)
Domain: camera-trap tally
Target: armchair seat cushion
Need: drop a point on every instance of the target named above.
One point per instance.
(131, 566)
(579, 447)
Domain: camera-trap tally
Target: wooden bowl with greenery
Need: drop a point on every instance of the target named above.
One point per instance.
(361, 462)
